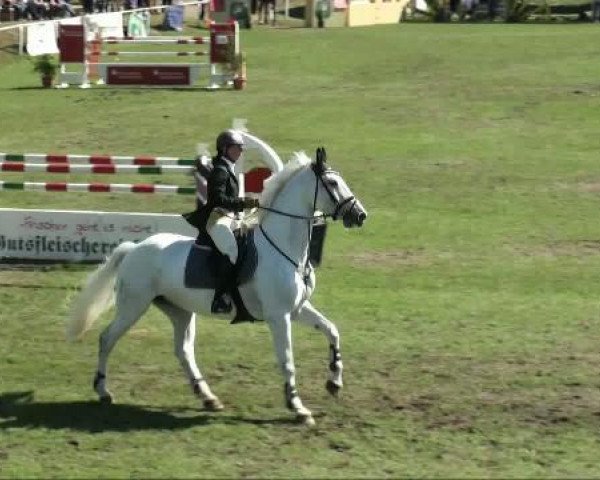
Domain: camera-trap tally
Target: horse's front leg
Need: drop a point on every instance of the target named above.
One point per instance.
(309, 315)
(281, 330)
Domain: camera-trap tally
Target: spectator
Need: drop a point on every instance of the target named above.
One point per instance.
(18, 8)
(266, 11)
(595, 10)
(492, 9)
(35, 9)
(115, 5)
(153, 4)
(202, 10)
(61, 8)
(101, 6)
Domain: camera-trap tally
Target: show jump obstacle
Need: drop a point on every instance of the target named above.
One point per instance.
(83, 51)
(111, 165)
(89, 236)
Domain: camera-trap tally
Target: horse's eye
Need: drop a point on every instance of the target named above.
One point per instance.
(332, 182)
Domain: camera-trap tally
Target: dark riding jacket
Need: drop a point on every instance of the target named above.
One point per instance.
(222, 191)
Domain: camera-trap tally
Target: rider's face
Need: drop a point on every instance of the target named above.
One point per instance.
(234, 152)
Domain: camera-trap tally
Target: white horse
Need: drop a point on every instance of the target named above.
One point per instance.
(279, 291)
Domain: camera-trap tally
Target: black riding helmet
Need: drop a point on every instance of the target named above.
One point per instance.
(228, 138)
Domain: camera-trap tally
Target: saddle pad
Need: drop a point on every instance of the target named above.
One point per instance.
(202, 262)
(200, 268)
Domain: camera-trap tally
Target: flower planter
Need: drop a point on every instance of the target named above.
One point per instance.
(47, 80)
(239, 83)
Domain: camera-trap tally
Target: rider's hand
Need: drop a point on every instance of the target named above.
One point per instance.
(250, 202)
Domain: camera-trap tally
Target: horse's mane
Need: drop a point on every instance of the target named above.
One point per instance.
(275, 183)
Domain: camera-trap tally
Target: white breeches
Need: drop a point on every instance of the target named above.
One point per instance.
(221, 233)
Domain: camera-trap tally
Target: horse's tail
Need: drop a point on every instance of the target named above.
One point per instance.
(97, 295)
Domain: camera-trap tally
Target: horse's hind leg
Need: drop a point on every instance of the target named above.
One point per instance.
(184, 330)
(130, 306)
(309, 315)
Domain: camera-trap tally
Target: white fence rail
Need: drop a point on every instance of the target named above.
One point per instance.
(20, 30)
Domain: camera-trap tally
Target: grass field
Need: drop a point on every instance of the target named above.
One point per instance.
(469, 304)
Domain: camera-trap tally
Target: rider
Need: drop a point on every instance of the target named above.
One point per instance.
(216, 218)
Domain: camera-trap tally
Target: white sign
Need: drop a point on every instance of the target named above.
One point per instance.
(106, 24)
(78, 236)
(41, 39)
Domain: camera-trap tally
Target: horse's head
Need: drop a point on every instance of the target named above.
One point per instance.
(333, 196)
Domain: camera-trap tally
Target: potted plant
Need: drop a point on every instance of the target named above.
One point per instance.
(47, 67)
(238, 66)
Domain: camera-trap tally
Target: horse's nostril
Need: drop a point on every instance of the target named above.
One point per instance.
(362, 217)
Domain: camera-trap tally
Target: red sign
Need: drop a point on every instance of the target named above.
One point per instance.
(148, 75)
(222, 42)
(217, 5)
(254, 179)
(71, 43)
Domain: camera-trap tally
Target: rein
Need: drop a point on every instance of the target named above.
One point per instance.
(292, 215)
(285, 255)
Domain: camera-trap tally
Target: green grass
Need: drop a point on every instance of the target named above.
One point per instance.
(468, 305)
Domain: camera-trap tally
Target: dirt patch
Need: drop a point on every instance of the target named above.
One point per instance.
(18, 278)
(524, 391)
(566, 406)
(22, 267)
(586, 90)
(576, 248)
(23, 278)
(423, 403)
(391, 258)
(452, 422)
(590, 187)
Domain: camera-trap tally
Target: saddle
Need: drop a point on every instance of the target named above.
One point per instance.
(202, 262)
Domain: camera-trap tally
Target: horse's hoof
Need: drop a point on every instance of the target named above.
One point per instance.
(213, 405)
(306, 420)
(106, 399)
(333, 388)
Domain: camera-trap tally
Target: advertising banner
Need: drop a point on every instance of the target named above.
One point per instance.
(148, 75)
(41, 39)
(72, 43)
(78, 236)
(106, 24)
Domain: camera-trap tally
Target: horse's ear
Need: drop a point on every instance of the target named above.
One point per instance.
(321, 158)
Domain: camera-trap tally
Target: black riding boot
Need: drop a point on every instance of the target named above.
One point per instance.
(220, 303)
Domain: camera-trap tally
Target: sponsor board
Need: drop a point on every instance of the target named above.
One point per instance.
(78, 236)
(149, 75)
(71, 39)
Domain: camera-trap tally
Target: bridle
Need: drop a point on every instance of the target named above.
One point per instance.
(338, 208)
(341, 208)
